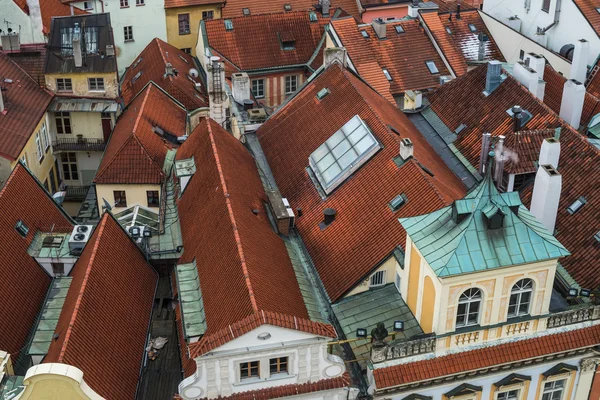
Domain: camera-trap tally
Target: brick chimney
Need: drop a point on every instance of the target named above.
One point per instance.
(571, 105)
(579, 64)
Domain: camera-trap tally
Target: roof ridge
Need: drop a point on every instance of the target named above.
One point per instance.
(160, 51)
(81, 291)
(231, 216)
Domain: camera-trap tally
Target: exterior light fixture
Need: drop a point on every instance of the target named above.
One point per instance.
(361, 333)
(585, 292)
(398, 326)
(573, 292)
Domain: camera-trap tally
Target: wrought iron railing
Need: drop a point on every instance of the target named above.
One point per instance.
(78, 144)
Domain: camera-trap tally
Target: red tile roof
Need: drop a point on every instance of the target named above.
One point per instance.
(254, 269)
(464, 43)
(107, 312)
(589, 10)
(555, 83)
(254, 42)
(135, 153)
(526, 145)
(23, 283)
(291, 390)
(152, 67)
(486, 357)
(377, 3)
(402, 54)
(25, 104)
(233, 8)
(191, 3)
(31, 58)
(365, 231)
(462, 102)
(450, 5)
(49, 9)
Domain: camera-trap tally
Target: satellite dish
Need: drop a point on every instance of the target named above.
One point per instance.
(107, 205)
(193, 72)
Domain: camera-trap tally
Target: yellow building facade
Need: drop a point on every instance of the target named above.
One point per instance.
(183, 24)
(80, 84)
(135, 195)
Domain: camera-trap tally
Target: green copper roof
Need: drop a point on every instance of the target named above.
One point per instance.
(463, 237)
(190, 296)
(49, 316)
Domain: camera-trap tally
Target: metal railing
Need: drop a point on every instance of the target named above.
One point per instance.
(78, 144)
(76, 193)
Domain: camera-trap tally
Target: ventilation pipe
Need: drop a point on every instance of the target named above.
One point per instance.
(168, 69)
(517, 118)
(542, 31)
(486, 141)
(571, 105)
(328, 216)
(458, 11)
(579, 64)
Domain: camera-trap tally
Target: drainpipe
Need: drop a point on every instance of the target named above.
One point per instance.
(542, 31)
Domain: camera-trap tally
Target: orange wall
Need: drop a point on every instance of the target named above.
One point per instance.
(427, 305)
(413, 280)
(385, 12)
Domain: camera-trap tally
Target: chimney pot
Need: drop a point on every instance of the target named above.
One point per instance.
(329, 216)
(406, 149)
(168, 69)
(458, 11)
(325, 4)
(486, 141)
(517, 118)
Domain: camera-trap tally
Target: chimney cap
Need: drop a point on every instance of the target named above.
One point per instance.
(329, 212)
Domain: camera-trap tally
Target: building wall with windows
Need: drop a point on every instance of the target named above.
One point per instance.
(386, 12)
(29, 28)
(183, 40)
(134, 194)
(88, 85)
(276, 87)
(387, 272)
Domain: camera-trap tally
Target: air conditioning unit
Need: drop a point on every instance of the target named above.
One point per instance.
(110, 50)
(78, 239)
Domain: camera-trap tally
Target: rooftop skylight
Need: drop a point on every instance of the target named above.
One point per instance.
(387, 74)
(246, 11)
(312, 16)
(136, 76)
(432, 67)
(322, 93)
(228, 24)
(137, 62)
(364, 34)
(472, 28)
(344, 152)
(397, 202)
(449, 30)
(399, 29)
(21, 228)
(287, 7)
(577, 204)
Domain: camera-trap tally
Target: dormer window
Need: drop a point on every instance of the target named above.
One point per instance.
(288, 41)
(343, 153)
(469, 305)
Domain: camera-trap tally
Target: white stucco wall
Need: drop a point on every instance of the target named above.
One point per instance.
(30, 29)
(572, 24)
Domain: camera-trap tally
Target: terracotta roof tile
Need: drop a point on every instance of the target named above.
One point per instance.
(486, 357)
(190, 3)
(107, 312)
(135, 153)
(402, 54)
(588, 9)
(153, 58)
(23, 283)
(291, 390)
(50, 9)
(31, 58)
(297, 129)
(254, 42)
(25, 103)
(526, 144)
(250, 255)
(462, 102)
(233, 8)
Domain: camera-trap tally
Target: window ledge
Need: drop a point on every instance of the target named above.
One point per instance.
(130, 40)
(277, 377)
(274, 377)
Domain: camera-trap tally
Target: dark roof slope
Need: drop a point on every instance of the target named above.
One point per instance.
(135, 152)
(462, 102)
(255, 42)
(49, 9)
(30, 57)
(366, 230)
(24, 105)
(23, 283)
(150, 66)
(107, 311)
(233, 8)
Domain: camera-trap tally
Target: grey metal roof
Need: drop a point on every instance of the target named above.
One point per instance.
(83, 105)
(193, 317)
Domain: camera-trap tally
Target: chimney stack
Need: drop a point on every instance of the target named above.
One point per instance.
(241, 86)
(333, 54)
(546, 196)
(482, 37)
(325, 4)
(493, 77)
(413, 9)
(517, 118)
(571, 105)
(537, 63)
(168, 69)
(216, 91)
(550, 152)
(529, 78)
(458, 11)
(579, 64)
(406, 149)
(380, 28)
(486, 140)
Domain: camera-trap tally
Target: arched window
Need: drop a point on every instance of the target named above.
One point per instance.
(469, 305)
(520, 298)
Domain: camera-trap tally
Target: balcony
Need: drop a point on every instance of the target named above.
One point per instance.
(76, 193)
(78, 144)
(403, 348)
(574, 316)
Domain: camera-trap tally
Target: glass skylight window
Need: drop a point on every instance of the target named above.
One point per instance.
(312, 16)
(387, 74)
(472, 28)
(228, 25)
(432, 67)
(322, 93)
(364, 34)
(345, 151)
(449, 30)
(399, 29)
(577, 204)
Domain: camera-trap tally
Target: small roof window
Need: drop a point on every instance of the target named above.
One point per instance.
(449, 30)
(21, 228)
(246, 11)
(387, 74)
(577, 204)
(136, 76)
(399, 29)
(397, 202)
(432, 67)
(312, 16)
(228, 24)
(137, 62)
(287, 7)
(322, 93)
(364, 34)
(472, 28)
(344, 152)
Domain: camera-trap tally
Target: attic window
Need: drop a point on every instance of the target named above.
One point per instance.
(228, 25)
(21, 228)
(364, 34)
(472, 28)
(577, 204)
(136, 63)
(288, 42)
(246, 11)
(322, 93)
(312, 16)
(387, 74)
(344, 152)
(432, 67)
(449, 30)
(597, 236)
(287, 7)
(399, 29)
(397, 202)
(136, 77)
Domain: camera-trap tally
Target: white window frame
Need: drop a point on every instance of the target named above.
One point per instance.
(377, 279)
(293, 82)
(564, 379)
(521, 287)
(61, 85)
(96, 84)
(398, 281)
(475, 296)
(128, 33)
(257, 94)
(45, 137)
(69, 164)
(507, 391)
(38, 144)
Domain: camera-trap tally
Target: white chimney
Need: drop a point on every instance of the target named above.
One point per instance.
(1, 101)
(546, 196)
(413, 9)
(514, 22)
(380, 28)
(529, 78)
(333, 54)
(580, 60)
(550, 152)
(537, 63)
(571, 105)
(406, 149)
(216, 92)
(241, 86)
(499, 167)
